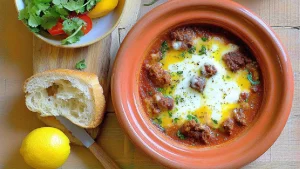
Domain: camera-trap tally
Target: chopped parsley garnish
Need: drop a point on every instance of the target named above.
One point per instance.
(151, 3)
(160, 89)
(204, 39)
(192, 117)
(183, 54)
(250, 78)
(214, 120)
(80, 65)
(164, 48)
(175, 120)
(192, 50)
(159, 121)
(202, 50)
(170, 114)
(179, 72)
(228, 77)
(178, 98)
(150, 93)
(180, 135)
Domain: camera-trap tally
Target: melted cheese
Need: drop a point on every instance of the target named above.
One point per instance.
(221, 93)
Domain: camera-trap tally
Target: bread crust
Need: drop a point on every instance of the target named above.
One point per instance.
(91, 80)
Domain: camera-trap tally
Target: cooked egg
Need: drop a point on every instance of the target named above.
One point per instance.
(222, 90)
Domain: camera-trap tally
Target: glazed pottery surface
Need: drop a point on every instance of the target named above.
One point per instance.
(270, 54)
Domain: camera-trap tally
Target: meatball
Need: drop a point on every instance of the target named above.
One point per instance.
(239, 116)
(198, 83)
(208, 70)
(158, 76)
(158, 103)
(183, 37)
(197, 132)
(228, 126)
(236, 60)
(164, 103)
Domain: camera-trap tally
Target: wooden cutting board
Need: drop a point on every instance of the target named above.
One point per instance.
(97, 58)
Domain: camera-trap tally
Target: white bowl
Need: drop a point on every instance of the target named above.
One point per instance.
(101, 28)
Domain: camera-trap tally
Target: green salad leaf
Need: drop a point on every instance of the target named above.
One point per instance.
(75, 37)
(80, 65)
(72, 24)
(91, 3)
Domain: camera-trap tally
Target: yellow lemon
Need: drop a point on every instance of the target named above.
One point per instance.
(102, 8)
(45, 148)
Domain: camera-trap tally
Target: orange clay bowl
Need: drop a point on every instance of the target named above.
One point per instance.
(271, 56)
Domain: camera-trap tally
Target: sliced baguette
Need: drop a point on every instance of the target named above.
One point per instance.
(76, 95)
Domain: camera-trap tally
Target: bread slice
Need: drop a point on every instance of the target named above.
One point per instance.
(76, 95)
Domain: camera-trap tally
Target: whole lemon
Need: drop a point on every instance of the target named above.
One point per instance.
(45, 148)
(102, 8)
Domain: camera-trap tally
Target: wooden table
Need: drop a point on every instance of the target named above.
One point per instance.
(16, 65)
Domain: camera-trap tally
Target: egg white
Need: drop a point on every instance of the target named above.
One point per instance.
(221, 93)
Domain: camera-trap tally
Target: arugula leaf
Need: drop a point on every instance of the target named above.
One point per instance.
(81, 65)
(151, 3)
(180, 135)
